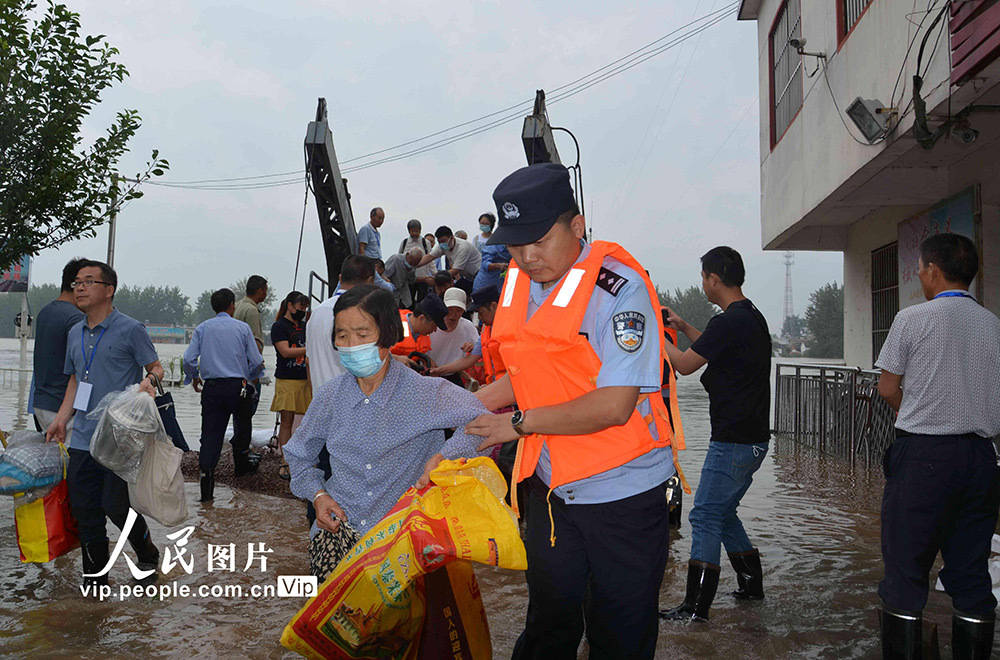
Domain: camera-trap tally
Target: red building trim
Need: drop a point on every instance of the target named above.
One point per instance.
(975, 38)
(841, 34)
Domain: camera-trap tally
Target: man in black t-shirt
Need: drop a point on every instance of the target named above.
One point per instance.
(737, 347)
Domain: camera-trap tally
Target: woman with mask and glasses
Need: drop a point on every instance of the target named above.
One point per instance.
(292, 392)
(381, 423)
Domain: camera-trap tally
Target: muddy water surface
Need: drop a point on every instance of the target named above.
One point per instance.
(814, 518)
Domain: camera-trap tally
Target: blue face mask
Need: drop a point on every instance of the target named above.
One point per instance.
(444, 245)
(362, 361)
(485, 229)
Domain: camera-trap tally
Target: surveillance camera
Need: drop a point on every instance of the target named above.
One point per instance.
(797, 43)
(965, 133)
(968, 135)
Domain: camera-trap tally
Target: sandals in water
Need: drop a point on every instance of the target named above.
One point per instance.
(284, 472)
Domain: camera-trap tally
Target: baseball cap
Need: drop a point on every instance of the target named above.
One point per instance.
(484, 296)
(529, 201)
(432, 307)
(455, 297)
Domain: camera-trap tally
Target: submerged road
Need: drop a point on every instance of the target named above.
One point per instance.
(814, 518)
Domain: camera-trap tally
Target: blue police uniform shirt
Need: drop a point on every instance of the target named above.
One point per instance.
(492, 254)
(121, 353)
(222, 347)
(620, 367)
(372, 240)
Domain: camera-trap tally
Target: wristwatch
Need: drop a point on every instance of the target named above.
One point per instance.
(516, 420)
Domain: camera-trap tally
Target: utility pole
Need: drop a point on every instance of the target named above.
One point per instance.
(789, 310)
(114, 217)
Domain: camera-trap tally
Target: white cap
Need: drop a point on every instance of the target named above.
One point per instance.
(455, 297)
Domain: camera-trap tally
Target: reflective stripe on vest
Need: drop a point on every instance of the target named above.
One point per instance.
(549, 363)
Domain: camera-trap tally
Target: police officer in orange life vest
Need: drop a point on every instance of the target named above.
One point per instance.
(579, 332)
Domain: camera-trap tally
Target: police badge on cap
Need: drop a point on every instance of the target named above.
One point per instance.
(629, 329)
(529, 201)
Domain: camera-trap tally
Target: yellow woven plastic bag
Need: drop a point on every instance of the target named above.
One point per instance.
(377, 604)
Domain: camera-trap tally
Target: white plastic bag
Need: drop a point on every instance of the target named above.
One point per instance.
(127, 422)
(158, 491)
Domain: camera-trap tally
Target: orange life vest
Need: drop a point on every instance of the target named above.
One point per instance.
(492, 360)
(550, 362)
(410, 343)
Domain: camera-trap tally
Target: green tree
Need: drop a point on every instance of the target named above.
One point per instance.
(825, 320)
(692, 306)
(202, 308)
(794, 326)
(10, 305)
(151, 304)
(54, 189)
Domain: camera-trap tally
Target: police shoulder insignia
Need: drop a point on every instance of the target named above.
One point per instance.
(629, 329)
(611, 281)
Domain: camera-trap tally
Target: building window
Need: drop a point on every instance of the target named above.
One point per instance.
(885, 293)
(786, 69)
(849, 13)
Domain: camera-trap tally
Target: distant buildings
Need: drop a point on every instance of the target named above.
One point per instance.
(824, 187)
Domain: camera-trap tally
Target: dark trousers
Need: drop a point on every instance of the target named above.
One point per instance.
(238, 424)
(95, 493)
(941, 494)
(605, 570)
(220, 400)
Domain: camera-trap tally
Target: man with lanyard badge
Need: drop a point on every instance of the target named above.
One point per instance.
(941, 370)
(105, 352)
(580, 334)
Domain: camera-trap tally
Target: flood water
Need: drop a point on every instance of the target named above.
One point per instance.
(813, 517)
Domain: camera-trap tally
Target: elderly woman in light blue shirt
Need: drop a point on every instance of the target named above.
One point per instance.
(381, 424)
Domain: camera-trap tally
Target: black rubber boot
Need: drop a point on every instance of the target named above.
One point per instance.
(702, 581)
(207, 487)
(749, 575)
(245, 462)
(95, 558)
(146, 553)
(972, 636)
(901, 635)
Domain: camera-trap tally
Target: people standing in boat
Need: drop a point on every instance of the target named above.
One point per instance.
(736, 345)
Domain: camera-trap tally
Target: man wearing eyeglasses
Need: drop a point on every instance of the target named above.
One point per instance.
(105, 352)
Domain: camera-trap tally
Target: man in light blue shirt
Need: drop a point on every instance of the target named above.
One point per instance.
(224, 356)
(105, 352)
(369, 238)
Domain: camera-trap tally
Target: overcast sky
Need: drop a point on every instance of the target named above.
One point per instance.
(226, 89)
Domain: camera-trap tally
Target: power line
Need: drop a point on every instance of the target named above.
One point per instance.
(562, 92)
(549, 100)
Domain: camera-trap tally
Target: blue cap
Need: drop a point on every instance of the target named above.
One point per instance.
(529, 201)
(484, 296)
(432, 307)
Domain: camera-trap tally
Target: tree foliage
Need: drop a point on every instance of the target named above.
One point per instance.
(156, 305)
(692, 306)
(53, 188)
(164, 305)
(202, 308)
(825, 320)
(794, 326)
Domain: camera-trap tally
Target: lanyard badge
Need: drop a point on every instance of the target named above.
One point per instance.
(84, 388)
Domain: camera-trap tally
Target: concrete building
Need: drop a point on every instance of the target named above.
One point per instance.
(826, 186)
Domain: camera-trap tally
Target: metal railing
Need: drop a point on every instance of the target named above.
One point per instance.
(835, 409)
(11, 377)
(321, 285)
